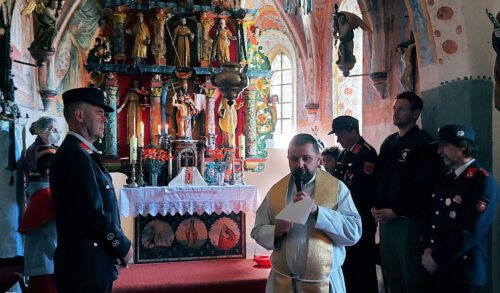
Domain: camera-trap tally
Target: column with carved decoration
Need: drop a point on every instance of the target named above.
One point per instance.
(110, 130)
(251, 122)
(155, 114)
(206, 41)
(119, 17)
(210, 116)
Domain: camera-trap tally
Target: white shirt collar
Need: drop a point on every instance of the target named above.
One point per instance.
(86, 142)
(462, 168)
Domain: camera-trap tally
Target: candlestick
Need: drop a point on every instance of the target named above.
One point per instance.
(242, 162)
(133, 149)
(140, 142)
(132, 183)
(140, 177)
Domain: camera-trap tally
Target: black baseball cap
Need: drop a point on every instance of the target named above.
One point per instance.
(344, 122)
(455, 133)
(89, 95)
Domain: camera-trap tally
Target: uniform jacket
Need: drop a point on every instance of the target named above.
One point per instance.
(461, 221)
(357, 168)
(88, 224)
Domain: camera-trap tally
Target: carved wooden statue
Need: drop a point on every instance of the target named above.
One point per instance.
(344, 24)
(142, 39)
(182, 40)
(223, 42)
(47, 18)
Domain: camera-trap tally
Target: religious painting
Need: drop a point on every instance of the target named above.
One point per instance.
(189, 237)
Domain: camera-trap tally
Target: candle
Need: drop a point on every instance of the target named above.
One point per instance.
(166, 129)
(170, 164)
(241, 141)
(159, 129)
(140, 142)
(211, 129)
(133, 149)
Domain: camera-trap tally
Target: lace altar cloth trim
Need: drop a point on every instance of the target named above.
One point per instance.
(191, 200)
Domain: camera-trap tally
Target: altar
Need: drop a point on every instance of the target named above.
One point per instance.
(189, 222)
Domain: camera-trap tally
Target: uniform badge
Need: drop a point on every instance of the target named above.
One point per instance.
(447, 201)
(453, 214)
(457, 199)
(485, 173)
(368, 167)
(470, 172)
(482, 204)
(403, 155)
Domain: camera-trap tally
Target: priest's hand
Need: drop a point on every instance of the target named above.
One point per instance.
(303, 195)
(428, 262)
(281, 228)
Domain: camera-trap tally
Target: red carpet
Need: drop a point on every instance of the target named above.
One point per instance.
(221, 276)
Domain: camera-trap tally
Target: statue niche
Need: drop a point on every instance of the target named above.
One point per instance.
(182, 50)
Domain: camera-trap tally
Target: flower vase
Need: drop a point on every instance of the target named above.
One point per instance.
(153, 176)
(220, 177)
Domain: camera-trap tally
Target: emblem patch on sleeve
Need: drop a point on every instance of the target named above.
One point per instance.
(368, 167)
(482, 204)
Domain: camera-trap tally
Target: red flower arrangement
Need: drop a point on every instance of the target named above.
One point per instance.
(222, 157)
(155, 157)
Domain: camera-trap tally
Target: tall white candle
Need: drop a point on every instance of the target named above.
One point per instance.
(170, 164)
(159, 129)
(241, 141)
(166, 129)
(140, 142)
(133, 149)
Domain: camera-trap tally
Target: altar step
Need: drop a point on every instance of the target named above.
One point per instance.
(221, 276)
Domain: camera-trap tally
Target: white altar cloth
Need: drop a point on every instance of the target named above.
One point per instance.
(188, 199)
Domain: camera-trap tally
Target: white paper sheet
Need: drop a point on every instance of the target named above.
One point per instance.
(296, 212)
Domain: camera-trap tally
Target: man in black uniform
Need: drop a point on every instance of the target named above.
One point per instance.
(458, 238)
(90, 239)
(407, 162)
(357, 168)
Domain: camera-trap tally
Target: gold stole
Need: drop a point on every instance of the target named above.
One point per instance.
(319, 251)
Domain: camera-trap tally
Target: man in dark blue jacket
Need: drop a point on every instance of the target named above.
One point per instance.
(458, 238)
(90, 240)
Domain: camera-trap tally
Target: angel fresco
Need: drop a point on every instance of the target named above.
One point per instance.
(344, 24)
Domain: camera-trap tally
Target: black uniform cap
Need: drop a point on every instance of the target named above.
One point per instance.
(455, 133)
(344, 123)
(89, 95)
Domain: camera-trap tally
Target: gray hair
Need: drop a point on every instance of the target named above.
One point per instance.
(43, 123)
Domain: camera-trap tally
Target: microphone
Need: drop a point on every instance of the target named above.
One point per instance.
(298, 176)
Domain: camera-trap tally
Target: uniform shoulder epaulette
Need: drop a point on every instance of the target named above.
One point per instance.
(356, 149)
(470, 172)
(484, 172)
(367, 146)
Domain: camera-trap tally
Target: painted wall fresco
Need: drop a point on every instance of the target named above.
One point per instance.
(73, 48)
(24, 75)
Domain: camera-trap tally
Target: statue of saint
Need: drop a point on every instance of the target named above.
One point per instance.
(182, 39)
(228, 121)
(142, 38)
(134, 112)
(223, 42)
(186, 109)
